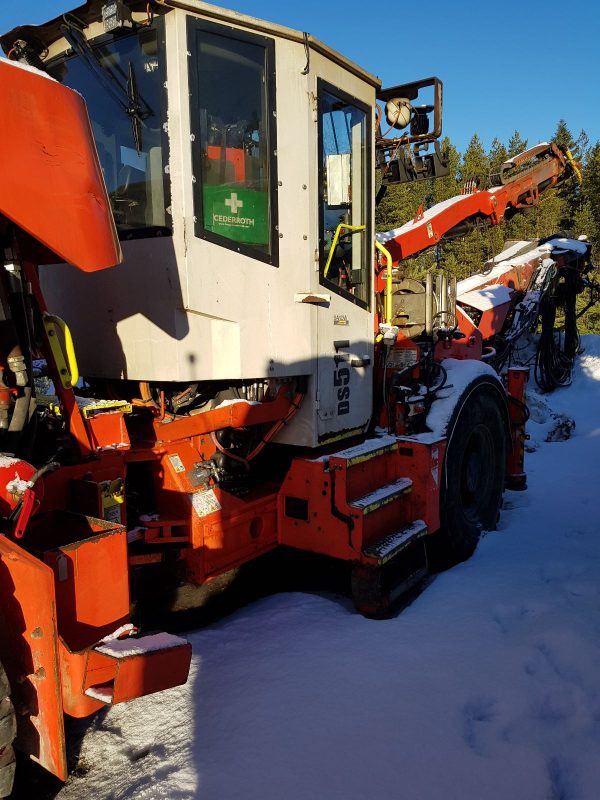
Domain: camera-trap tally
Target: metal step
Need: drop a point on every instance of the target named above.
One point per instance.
(382, 496)
(371, 448)
(135, 666)
(389, 546)
(389, 568)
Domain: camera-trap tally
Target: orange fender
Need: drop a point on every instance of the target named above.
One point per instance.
(51, 184)
(29, 653)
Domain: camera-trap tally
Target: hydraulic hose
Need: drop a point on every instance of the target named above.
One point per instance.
(20, 413)
(556, 352)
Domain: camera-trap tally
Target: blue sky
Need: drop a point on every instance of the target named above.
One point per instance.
(516, 65)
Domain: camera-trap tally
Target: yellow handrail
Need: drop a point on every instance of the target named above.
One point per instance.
(67, 367)
(334, 242)
(387, 305)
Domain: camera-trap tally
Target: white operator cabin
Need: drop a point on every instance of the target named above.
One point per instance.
(247, 145)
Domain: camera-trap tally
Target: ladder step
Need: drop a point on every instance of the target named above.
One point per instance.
(382, 496)
(104, 694)
(371, 448)
(389, 546)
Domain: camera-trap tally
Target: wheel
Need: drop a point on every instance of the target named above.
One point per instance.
(8, 731)
(473, 475)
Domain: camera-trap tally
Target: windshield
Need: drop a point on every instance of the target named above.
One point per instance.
(122, 88)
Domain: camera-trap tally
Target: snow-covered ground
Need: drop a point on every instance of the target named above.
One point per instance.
(487, 687)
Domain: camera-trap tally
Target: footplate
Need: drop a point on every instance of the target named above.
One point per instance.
(140, 666)
(390, 546)
(118, 670)
(390, 568)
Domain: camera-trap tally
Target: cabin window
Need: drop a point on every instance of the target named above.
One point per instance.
(345, 205)
(232, 109)
(122, 80)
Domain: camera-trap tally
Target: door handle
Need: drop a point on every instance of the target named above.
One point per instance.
(354, 361)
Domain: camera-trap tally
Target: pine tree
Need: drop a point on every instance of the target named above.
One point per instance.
(549, 214)
(568, 192)
(399, 205)
(475, 164)
(387, 213)
(591, 195)
(496, 157)
(516, 145)
(444, 188)
(585, 225)
(582, 146)
(563, 136)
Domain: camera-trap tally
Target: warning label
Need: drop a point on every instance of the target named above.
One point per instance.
(205, 503)
(176, 463)
(401, 357)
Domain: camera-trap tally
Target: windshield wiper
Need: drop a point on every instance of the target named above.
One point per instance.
(134, 109)
(127, 97)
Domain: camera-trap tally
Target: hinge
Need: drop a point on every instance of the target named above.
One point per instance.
(314, 103)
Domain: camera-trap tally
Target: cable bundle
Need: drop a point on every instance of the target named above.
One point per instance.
(557, 349)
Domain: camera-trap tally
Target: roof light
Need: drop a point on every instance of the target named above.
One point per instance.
(115, 14)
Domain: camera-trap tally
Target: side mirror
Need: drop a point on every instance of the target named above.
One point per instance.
(409, 118)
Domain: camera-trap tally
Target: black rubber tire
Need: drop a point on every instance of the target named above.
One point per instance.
(8, 731)
(474, 474)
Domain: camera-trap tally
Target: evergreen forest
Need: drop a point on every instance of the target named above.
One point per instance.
(568, 210)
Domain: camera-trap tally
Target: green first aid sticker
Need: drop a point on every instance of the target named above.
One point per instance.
(239, 214)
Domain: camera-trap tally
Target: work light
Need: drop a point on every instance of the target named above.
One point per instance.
(115, 14)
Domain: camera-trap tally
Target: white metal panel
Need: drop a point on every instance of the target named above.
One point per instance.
(184, 309)
(341, 383)
(271, 336)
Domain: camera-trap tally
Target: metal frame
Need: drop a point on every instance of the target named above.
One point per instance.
(194, 26)
(325, 86)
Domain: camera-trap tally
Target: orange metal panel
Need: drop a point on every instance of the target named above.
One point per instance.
(236, 156)
(73, 667)
(231, 540)
(29, 652)
(422, 462)
(235, 415)
(121, 677)
(492, 320)
(153, 671)
(224, 530)
(91, 574)
(516, 477)
(58, 486)
(470, 347)
(52, 185)
(305, 517)
(108, 430)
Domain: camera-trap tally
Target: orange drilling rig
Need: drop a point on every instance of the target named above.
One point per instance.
(252, 369)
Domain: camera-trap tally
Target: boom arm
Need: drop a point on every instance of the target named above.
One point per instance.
(447, 218)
